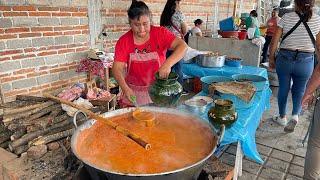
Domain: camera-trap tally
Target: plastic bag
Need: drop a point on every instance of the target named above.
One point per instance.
(81, 102)
(191, 53)
(251, 32)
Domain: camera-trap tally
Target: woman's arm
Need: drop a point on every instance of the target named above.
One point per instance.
(314, 81)
(179, 48)
(184, 28)
(274, 46)
(199, 34)
(118, 70)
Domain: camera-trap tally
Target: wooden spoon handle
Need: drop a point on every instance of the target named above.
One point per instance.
(110, 123)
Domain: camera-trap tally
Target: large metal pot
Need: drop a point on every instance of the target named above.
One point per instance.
(187, 173)
(210, 61)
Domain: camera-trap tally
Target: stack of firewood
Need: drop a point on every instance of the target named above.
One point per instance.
(32, 122)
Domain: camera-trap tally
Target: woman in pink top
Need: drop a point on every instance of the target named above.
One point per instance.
(272, 25)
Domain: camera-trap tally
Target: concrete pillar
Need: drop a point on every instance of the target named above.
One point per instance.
(215, 18)
(95, 23)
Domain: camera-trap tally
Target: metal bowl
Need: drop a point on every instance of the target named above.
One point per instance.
(210, 61)
(189, 172)
(198, 104)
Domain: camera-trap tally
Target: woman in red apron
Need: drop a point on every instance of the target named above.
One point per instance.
(140, 54)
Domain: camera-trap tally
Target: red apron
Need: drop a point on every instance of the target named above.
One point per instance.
(140, 75)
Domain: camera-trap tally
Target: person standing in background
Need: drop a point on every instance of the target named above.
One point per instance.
(173, 19)
(196, 30)
(252, 22)
(295, 59)
(272, 24)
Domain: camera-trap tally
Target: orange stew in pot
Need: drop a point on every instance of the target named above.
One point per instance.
(177, 141)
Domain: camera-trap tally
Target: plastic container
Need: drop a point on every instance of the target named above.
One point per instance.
(259, 82)
(233, 62)
(227, 24)
(229, 34)
(196, 85)
(207, 80)
(242, 35)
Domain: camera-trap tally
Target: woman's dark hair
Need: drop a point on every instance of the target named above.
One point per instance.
(167, 13)
(138, 9)
(254, 13)
(304, 7)
(197, 21)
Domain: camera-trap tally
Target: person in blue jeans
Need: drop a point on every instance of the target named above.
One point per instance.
(295, 60)
(295, 66)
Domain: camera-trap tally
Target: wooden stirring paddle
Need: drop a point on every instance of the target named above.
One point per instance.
(110, 123)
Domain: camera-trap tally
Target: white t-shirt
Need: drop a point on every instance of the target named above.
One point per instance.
(299, 38)
(195, 30)
(177, 19)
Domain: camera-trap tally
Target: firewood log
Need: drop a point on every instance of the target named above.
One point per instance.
(53, 137)
(34, 128)
(42, 112)
(5, 136)
(5, 144)
(3, 128)
(33, 122)
(11, 117)
(16, 104)
(30, 136)
(18, 133)
(12, 111)
(21, 149)
(14, 126)
(45, 122)
(31, 98)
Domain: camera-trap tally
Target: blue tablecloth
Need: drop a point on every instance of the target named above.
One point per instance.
(244, 129)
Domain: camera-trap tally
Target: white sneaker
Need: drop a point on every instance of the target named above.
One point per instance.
(280, 121)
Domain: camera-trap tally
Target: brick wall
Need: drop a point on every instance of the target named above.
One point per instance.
(41, 41)
(40, 45)
(115, 19)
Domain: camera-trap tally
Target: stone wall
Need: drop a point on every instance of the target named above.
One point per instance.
(41, 41)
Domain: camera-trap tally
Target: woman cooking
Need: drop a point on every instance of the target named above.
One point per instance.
(141, 53)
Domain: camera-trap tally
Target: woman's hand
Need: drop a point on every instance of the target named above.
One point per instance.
(129, 93)
(164, 71)
(272, 64)
(307, 100)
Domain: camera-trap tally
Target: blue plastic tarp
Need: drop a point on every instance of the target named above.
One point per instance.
(244, 129)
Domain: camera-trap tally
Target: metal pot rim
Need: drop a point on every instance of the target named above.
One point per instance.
(91, 122)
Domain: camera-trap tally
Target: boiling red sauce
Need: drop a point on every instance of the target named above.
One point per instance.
(177, 142)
